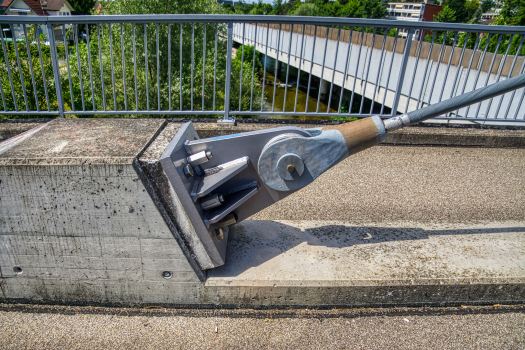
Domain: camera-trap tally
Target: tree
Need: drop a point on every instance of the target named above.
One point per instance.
(306, 9)
(512, 13)
(278, 8)
(486, 5)
(261, 8)
(472, 9)
(82, 7)
(374, 8)
(445, 15)
(458, 6)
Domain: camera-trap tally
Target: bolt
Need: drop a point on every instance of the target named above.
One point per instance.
(290, 168)
(188, 170)
(166, 274)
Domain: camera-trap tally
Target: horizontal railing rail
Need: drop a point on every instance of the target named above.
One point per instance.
(266, 66)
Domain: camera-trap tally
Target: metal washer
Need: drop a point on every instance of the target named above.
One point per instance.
(290, 159)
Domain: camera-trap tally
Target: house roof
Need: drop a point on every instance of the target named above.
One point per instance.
(33, 5)
(6, 3)
(53, 5)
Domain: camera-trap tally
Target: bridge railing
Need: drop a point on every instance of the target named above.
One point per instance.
(269, 66)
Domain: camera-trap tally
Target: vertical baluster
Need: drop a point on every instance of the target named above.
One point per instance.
(311, 67)
(448, 66)
(459, 68)
(56, 69)
(265, 59)
(64, 33)
(469, 66)
(101, 68)
(253, 66)
(123, 65)
(426, 69)
(322, 70)
(2, 93)
(229, 45)
(215, 65)
(192, 53)
(110, 33)
(8, 66)
(204, 63)
(135, 66)
(399, 86)
(242, 64)
(356, 68)
(20, 73)
(288, 67)
(30, 62)
(380, 71)
(276, 65)
(90, 70)
(158, 65)
(169, 66)
(146, 64)
(334, 70)
(514, 92)
(299, 70)
(490, 70)
(443, 45)
(180, 67)
(75, 31)
(502, 63)
(510, 74)
(388, 77)
(348, 51)
(367, 71)
(479, 69)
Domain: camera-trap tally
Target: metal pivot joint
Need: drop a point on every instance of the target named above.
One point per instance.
(223, 180)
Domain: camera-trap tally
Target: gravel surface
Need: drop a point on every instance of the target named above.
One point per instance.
(424, 184)
(347, 330)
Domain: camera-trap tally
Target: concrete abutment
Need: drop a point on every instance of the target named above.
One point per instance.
(88, 216)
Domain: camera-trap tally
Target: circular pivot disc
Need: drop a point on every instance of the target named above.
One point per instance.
(290, 166)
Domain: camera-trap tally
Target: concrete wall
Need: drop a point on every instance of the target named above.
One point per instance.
(77, 224)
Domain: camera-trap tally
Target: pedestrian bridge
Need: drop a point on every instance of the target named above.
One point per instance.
(398, 73)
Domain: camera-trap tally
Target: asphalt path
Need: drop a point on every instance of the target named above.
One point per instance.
(462, 327)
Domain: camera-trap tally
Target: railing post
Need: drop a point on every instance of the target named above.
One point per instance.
(399, 86)
(226, 119)
(56, 68)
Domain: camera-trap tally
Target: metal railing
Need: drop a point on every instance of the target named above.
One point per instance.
(227, 65)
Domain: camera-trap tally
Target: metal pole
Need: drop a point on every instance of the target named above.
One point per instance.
(399, 86)
(228, 73)
(455, 103)
(56, 70)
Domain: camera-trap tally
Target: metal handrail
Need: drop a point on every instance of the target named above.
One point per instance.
(390, 72)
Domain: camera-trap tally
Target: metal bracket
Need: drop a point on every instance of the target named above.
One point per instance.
(223, 189)
(227, 121)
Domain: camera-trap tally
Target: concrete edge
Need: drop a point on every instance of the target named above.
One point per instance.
(423, 134)
(211, 311)
(152, 189)
(326, 298)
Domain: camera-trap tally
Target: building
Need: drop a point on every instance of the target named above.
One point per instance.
(412, 11)
(35, 8)
(489, 17)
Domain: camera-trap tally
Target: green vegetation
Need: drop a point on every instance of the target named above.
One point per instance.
(341, 8)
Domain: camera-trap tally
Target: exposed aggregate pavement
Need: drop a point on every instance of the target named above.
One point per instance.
(67, 327)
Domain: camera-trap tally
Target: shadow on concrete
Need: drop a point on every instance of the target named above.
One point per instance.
(255, 242)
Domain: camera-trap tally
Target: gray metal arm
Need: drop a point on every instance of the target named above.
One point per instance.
(455, 103)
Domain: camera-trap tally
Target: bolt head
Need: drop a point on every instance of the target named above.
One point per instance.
(166, 274)
(188, 170)
(290, 168)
